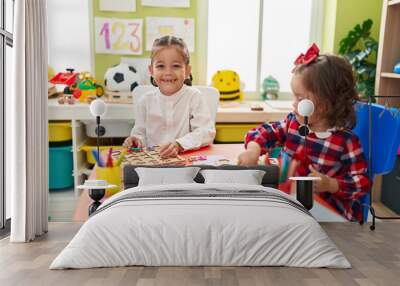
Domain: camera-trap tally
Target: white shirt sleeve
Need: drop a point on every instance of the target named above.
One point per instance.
(202, 127)
(139, 129)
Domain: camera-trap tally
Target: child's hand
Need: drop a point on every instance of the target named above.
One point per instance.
(133, 142)
(326, 184)
(170, 150)
(250, 156)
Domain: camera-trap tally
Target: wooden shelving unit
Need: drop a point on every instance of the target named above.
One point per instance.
(393, 2)
(388, 83)
(390, 75)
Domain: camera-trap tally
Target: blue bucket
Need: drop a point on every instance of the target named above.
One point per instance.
(60, 167)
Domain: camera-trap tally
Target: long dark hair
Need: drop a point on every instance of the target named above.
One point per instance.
(179, 44)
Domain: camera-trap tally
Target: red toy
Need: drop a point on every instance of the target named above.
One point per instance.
(67, 78)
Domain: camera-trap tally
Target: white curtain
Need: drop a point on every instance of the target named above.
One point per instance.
(27, 157)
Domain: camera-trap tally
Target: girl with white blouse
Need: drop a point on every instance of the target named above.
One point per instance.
(174, 116)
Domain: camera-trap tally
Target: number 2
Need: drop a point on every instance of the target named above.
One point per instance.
(119, 43)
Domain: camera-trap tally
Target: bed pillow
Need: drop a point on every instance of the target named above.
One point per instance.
(248, 177)
(166, 176)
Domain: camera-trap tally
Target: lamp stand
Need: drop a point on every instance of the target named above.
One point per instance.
(304, 188)
(98, 137)
(304, 193)
(100, 131)
(96, 195)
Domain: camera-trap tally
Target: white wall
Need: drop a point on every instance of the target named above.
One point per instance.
(69, 34)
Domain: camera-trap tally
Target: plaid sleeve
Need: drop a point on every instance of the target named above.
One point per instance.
(269, 135)
(354, 182)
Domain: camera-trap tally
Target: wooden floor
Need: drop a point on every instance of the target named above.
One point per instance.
(375, 257)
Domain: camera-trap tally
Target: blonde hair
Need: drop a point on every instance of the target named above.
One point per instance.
(171, 41)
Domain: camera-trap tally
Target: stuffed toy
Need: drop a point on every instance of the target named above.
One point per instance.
(270, 88)
(228, 84)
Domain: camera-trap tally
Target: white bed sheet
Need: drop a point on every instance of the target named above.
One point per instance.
(200, 231)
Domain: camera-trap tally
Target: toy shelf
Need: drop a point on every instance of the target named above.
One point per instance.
(77, 113)
(390, 75)
(388, 83)
(393, 2)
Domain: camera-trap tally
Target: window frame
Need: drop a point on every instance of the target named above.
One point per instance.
(6, 39)
(315, 37)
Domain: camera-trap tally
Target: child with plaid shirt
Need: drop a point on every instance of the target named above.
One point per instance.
(333, 152)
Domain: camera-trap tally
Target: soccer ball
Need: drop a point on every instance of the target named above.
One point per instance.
(122, 77)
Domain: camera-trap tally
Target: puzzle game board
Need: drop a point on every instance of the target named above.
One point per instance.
(147, 156)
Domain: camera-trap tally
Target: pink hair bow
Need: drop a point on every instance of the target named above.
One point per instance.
(311, 54)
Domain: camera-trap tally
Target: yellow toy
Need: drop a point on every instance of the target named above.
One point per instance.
(87, 88)
(50, 73)
(228, 84)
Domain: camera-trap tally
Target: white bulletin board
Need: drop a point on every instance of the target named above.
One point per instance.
(118, 5)
(157, 27)
(167, 3)
(119, 36)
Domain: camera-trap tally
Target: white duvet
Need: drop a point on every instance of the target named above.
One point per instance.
(183, 231)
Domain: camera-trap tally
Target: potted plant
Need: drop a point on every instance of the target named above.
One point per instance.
(361, 49)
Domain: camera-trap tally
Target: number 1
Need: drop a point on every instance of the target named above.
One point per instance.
(106, 31)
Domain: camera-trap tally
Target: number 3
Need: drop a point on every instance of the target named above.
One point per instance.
(135, 38)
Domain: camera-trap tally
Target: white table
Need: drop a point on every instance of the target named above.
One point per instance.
(79, 112)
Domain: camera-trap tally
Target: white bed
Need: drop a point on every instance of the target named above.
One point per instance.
(222, 225)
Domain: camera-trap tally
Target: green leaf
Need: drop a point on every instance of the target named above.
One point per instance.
(361, 70)
(366, 28)
(357, 47)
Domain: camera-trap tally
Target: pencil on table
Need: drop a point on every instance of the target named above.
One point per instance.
(109, 159)
(96, 157)
(121, 158)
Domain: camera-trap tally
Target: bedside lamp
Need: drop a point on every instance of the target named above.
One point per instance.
(304, 190)
(97, 188)
(306, 109)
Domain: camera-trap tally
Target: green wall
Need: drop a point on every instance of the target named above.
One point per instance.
(340, 16)
(329, 24)
(104, 61)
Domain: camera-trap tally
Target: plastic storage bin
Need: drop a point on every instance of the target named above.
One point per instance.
(60, 131)
(232, 133)
(60, 167)
(114, 128)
